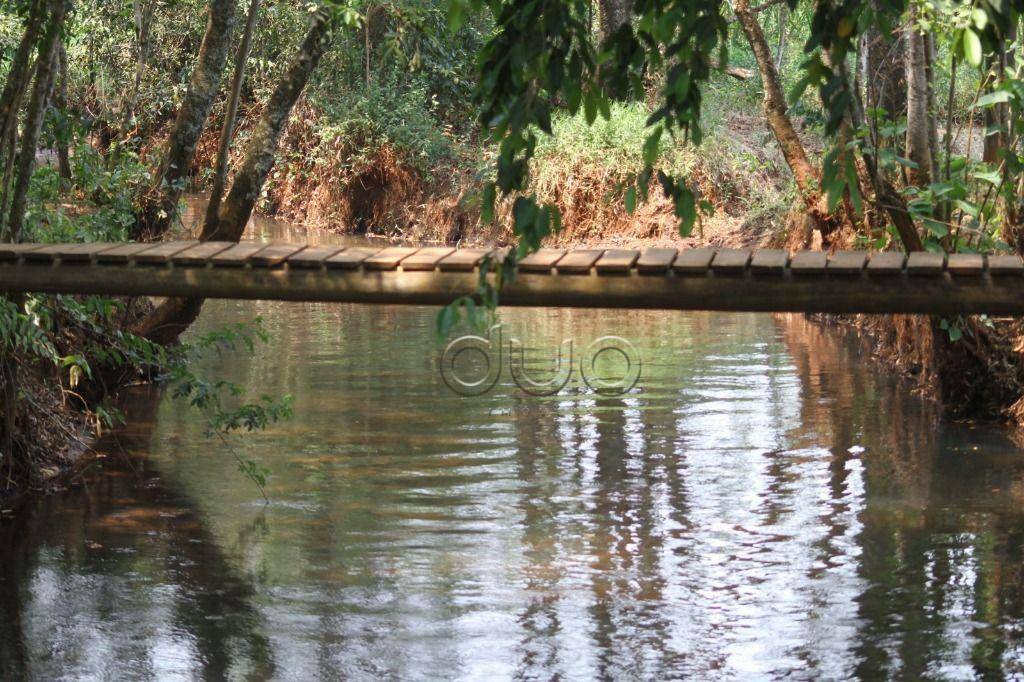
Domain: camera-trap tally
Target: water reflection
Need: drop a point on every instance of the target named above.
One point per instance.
(762, 505)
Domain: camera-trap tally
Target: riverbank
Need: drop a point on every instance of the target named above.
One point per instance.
(54, 439)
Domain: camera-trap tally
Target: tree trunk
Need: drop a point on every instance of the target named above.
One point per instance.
(10, 226)
(614, 14)
(886, 79)
(60, 101)
(142, 11)
(919, 147)
(159, 205)
(18, 78)
(220, 172)
(780, 50)
(806, 175)
(174, 316)
(45, 63)
(998, 116)
(932, 54)
(887, 198)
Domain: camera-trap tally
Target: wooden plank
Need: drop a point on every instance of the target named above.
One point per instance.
(694, 261)
(808, 263)
(847, 262)
(427, 258)
(200, 254)
(463, 260)
(15, 251)
(160, 254)
(273, 255)
(313, 256)
(236, 256)
(351, 258)
(76, 253)
(924, 263)
(616, 261)
(541, 260)
(966, 264)
(43, 254)
(389, 258)
(655, 260)
(1009, 264)
(121, 254)
(886, 263)
(903, 294)
(578, 261)
(769, 261)
(730, 260)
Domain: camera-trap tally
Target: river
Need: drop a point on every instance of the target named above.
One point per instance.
(765, 503)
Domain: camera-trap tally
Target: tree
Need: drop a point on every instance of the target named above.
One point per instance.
(165, 324)
(159, 205)
(43, 26)
(46, 64)
(18, 78)
(614, 15)
(806, 175)
(220, 171)
(919, 117)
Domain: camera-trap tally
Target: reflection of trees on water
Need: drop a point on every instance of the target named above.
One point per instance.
(942, 529)
(111, 543)
(715, 515)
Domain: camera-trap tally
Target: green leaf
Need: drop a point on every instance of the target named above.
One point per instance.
(446, 320)
(992, 98)
(968, 208)
(490, 195)
(652, 145)
(630, 200)
(991, 177)
(456, 15)
(980, 18)
(972, 47)
(590, 108)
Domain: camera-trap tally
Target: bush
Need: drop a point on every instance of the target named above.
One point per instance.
(402, 116)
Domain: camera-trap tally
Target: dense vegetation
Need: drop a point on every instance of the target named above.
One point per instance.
(886, 124)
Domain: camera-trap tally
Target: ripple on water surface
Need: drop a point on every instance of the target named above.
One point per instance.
(763, 503)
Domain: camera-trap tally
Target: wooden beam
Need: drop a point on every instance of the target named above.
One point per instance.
(940, 294)
(844, 282)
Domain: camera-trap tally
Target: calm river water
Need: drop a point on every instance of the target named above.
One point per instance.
(764, 504)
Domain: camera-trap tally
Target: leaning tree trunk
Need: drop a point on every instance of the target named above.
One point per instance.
(919, 147)
(45, 65)
(806, 175)
(220, 173)
(18, 78)
(165, 324)
(159, 205)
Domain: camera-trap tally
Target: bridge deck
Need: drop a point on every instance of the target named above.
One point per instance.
(696, 279)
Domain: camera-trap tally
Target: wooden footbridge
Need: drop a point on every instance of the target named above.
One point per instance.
(695, 279)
